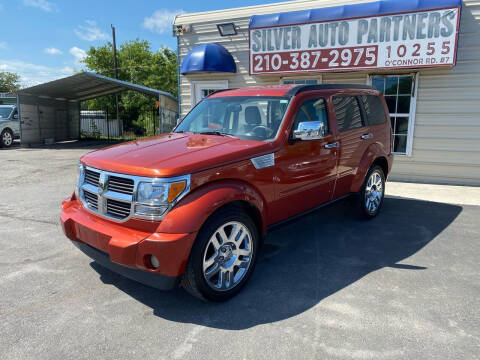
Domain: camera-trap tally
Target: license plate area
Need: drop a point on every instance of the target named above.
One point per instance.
(92, 237)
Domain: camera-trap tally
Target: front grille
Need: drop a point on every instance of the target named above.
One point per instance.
(114, 201)
(92, 177)
(91, 199)
(121, 185)
(118, 209)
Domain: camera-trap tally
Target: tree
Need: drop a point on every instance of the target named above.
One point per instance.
(9, 82)
(138, 64)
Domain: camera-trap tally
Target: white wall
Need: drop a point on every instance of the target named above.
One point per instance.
(48, 119)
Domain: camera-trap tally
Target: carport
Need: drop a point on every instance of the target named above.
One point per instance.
(50, 112)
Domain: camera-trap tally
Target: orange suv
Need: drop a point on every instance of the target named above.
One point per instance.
(192, 206)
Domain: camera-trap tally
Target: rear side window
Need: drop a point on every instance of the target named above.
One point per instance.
(373, 109)
(347, 112)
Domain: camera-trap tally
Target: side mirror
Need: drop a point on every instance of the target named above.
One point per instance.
(310, 130)
(179, 120)
(15, 117)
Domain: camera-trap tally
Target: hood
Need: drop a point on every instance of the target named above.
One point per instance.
(174, 154)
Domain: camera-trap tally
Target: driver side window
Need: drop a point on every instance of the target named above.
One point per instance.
(312, 110)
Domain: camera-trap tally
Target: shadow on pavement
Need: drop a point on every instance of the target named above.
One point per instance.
(305, 261)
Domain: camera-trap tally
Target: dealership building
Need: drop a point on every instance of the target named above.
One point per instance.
(424, 55)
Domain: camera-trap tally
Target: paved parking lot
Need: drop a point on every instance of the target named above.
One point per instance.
(328, 286)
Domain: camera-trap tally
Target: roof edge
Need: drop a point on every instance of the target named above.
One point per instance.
(347, 11)
(123, 84)
(189, 18)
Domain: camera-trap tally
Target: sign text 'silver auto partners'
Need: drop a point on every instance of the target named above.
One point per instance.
(419, 39)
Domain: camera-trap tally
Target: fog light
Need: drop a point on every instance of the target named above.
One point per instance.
(154, 261)
(150, 212)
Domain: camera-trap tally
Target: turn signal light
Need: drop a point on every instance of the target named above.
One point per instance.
(175, 190)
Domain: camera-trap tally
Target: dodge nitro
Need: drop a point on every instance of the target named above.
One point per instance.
(191, 207)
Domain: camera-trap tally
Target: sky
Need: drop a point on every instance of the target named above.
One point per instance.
(42, 40)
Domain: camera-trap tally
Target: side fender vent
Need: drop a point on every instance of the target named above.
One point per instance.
(263, 161)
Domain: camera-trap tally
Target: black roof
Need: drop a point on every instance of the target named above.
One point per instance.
(300, 88)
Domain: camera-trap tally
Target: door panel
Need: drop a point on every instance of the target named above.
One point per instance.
(15, 123)
(352, 147)
(353, 143)
(306, 176)
(306, 169)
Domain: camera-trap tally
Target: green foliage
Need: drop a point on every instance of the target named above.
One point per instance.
(94, 133)
(9, 82)
(137, 63)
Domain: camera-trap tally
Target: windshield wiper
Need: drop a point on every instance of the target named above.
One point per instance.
(218, 133)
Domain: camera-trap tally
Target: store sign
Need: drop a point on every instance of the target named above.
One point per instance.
(407, 40)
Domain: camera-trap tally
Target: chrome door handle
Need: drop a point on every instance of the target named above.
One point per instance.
(332, 145)
(367, 136)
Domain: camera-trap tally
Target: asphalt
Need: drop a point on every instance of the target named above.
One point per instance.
(328, 286)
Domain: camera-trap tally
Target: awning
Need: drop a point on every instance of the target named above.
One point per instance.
(85, 86)
(208, 58)
(349, 11)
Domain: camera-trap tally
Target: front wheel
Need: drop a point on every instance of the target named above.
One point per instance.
(6, 138)
(370, 198)
(223, 256)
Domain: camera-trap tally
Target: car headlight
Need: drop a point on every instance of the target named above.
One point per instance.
(154, 198)
(80, 176)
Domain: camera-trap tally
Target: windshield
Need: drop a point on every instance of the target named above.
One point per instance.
(5, 112)
(246, 117)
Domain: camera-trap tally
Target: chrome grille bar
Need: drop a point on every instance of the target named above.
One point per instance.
(92, 177)
(118, 209)
(113, 195)
(91, 199)
(121, 185)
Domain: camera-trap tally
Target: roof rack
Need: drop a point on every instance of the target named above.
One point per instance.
(298, 89)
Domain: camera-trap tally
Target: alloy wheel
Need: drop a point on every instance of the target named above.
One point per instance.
(373, 192)
(227, 256)
(7, 138)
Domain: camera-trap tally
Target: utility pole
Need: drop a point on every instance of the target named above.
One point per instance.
(115, 67)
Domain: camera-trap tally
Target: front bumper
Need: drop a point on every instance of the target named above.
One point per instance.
(144, 277)
(126, 249)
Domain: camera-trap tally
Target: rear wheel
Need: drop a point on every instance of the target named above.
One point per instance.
(370, 199)
(6, 138)
(223, 256)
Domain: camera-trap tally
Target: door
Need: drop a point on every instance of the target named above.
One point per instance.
(62, 125)
(201, 89)
(354, 138)
(15, 123)
(306, 169)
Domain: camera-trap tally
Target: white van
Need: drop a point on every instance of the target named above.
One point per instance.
(9, 124)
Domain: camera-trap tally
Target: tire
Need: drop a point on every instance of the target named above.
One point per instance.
(218, 269)
(6, 138)
(370, 199)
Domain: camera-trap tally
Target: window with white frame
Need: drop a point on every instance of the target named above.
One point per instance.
(400, 94)
(202, 89)
(302, 80)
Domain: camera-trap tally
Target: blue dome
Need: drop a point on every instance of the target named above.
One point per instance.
(207, 58)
